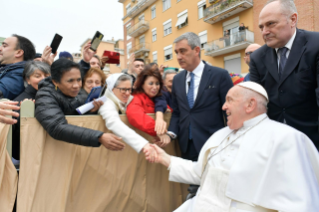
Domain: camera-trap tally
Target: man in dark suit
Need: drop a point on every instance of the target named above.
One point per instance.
(198, 94)
(288, 68)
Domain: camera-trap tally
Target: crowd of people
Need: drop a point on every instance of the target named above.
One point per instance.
(250, 144)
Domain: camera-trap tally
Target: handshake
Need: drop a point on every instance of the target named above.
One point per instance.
(155, 154)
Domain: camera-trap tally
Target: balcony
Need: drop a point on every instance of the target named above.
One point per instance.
(224, 45)
(138, 29)
(224, 9)
(141, 49)
(121, 51)
(140, 7)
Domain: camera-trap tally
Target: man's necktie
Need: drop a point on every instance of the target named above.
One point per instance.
(283, 59)
(190, 98)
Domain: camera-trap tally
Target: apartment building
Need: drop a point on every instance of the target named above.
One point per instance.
(150, 27)
(110, 45)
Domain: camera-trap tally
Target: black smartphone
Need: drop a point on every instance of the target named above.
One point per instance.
(56, 43)
(96, 40)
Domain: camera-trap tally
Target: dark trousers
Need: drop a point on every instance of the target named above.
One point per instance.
(191, 153)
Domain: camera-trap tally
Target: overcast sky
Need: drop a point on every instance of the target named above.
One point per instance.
(74, 20)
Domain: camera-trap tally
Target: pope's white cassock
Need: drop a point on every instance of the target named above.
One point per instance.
(264, 166)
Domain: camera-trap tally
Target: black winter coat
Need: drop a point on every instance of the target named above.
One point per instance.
(52, 105)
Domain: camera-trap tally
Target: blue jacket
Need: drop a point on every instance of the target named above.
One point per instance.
(11, 80)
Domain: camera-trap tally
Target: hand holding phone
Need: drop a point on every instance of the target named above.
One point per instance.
(56, 43)
(96, 40)
(113, 57)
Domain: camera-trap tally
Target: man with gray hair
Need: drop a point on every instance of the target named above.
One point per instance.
(254, 164)
(287, 66)
(198, 92)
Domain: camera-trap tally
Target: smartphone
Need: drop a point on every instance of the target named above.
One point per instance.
(114, 57)
(171, 68)
(96, 40)
(56, 43)
(94, 94)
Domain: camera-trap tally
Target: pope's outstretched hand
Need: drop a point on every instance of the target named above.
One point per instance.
(150, 153)
(162, 156)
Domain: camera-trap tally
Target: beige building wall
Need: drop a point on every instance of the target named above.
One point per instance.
(308, 19)
(195, 24)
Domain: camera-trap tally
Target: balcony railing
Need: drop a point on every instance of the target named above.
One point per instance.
(121, 51)
(234, 42)
(225, 9)
(138, 29)
(140, 7)
(141, 49)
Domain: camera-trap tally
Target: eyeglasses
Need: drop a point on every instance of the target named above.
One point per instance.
(248, 53)
(124, 90)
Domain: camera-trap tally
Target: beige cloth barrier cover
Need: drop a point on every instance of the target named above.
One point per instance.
(8, 173)
(61, 177)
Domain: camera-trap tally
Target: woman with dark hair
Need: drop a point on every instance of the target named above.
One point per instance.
(93, 78)
(33, 73)
(60, 95)
(148, 85)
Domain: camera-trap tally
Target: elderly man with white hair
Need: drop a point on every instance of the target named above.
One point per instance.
(252, 165)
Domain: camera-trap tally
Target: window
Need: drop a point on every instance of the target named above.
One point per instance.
(230, 31)
(153, 11)
(127, 28)
(168, 27)
(203, 38)
(182, 19)
(128, 8)
(128, 49)
(233, 63)
(154, 34)
(155, 57)
(201, 8)
(141, 17)
(168, 53)
(142, 39)
(166, 4)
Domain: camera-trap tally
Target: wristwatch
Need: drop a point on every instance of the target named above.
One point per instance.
(171, 137)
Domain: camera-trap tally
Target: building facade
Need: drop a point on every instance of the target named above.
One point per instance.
(150, 27)
(110, 45)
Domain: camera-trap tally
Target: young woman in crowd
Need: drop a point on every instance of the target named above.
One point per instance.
(148, 85)
(93, 78)
(33, 73)
(60, 95)
(118, 93)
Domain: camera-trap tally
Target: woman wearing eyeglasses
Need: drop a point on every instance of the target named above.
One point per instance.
(118, 93)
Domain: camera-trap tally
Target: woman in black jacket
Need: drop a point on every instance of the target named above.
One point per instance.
(60, 95)
(33, 73)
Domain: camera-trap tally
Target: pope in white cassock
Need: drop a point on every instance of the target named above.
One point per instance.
(253, 165)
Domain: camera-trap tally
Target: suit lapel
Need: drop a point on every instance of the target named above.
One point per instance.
(270, 61)
(298, 48)
(203, 82)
